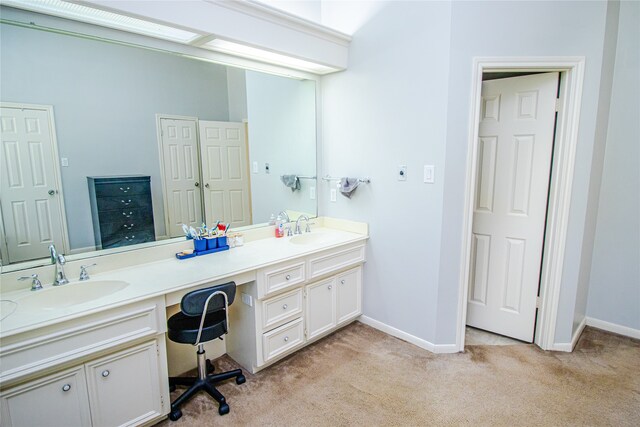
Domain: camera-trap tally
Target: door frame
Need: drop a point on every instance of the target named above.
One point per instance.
(56, 172)
(165, 200)
(571, 69)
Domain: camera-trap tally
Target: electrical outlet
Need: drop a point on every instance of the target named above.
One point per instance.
(429, 174)
(312, 193)
(247, 299)
(64, 161)
(334, 194)
(402, 173)
(255, 167)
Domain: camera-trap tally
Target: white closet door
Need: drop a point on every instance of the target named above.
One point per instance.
(30, 197)
(181, 174)
(225, 173)
(514, 162)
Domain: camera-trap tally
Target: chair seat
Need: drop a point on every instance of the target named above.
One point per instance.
(184, 329)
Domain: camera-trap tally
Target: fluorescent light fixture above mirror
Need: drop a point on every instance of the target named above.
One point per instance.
(256, 54)
(103, 18)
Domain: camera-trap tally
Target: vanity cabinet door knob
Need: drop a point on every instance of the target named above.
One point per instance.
(105, 373)
(284, 307)
(66, 387)
(286, 339)
(206, 185)
(197, 184)
(329, 287)
(288, 277)
(342, 282)
(51, 192)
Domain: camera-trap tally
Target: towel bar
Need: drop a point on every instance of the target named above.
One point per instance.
(330, 178)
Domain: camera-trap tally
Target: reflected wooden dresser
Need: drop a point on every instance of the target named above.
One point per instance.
(121, 210)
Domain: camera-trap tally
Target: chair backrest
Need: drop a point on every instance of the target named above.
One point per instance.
(192, 304)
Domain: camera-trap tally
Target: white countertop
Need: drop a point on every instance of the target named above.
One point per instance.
(165, 276)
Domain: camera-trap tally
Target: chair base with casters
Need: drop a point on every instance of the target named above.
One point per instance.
(203, 317)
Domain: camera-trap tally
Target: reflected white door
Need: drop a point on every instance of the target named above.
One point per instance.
(181, 174)
(30, 197)
(514, 160)
(225, 173)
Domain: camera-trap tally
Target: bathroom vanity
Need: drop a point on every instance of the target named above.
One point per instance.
(94, 352)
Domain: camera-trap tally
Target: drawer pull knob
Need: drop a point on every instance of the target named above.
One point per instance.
(105, 373)
(329, 287)
(128, 227)
(125, 190)
(342, 282)
(284, 307)
(286, 339)
(129, 238)
(288, 277)
(126, 202)
(66, 387)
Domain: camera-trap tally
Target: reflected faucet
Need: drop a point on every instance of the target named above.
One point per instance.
(307, 229)
(59, 261)
(284, 216)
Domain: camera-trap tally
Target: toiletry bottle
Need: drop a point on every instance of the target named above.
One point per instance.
(279, 227)
(272, 220)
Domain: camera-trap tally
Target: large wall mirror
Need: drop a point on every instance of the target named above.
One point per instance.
(110, 145)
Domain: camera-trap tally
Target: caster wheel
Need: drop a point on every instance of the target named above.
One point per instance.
(224, 409)
(240, 379)
(175, 415)
(210, 367)
(172, 387)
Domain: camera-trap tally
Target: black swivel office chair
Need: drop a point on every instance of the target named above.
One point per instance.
(203, 318)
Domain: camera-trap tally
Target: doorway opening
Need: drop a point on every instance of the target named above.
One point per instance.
(555, 207)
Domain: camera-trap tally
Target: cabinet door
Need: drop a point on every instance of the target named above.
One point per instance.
(349, 295)
(321, 307)
(124, 387)
(56, 400)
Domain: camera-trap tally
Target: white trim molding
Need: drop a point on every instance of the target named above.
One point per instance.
(613, 327)
(434, 348)
(572, 76)
(569, 346)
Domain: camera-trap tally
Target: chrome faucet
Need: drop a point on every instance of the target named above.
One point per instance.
(35, 283)
(59, 261)
(284, 216)
(307, 229)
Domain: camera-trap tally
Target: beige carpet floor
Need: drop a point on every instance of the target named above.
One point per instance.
(360, 376)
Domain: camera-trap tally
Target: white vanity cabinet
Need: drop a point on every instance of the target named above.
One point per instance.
(293, 303)
(105, 369)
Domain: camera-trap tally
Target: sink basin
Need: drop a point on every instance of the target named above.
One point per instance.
(310, 238)
(70, 294)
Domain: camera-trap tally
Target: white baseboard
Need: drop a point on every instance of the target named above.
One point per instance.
(569, 346)
(434, 348)
(613, 327)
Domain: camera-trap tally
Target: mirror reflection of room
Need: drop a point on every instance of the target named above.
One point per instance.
(133, 142)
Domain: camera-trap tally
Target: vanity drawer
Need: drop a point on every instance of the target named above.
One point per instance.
(282, 339)
(35, 351)
(281, 277)
(280, 309)
(334, 261)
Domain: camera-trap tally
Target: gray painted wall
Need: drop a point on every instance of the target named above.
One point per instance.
(105, 98)
(614, 291)
(282, 132)
(377, 115)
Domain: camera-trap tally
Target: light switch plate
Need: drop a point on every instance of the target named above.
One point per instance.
(429, 174)
(64, 161)
(247, 299)
(255, 167)
(312, 193)
(402, 173)
(334, 194)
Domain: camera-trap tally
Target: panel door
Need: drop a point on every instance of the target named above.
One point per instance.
(225, 173)
(349, 295)
(514, 162)
(56, 400)
(321, 307)
(30, 197)
(124, 388)
(181, 174)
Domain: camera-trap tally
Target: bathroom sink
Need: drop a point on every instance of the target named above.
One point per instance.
(70, 294)
(310, 238)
